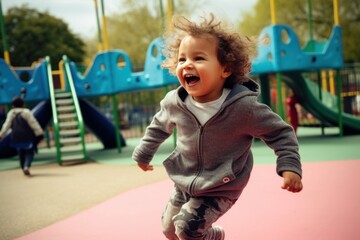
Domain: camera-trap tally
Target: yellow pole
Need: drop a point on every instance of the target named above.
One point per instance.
(61, 74)
(324, 80)
(169, 15)
(336, 12)
(273, 11)
(105, 35)
(106, 39)
(100, 44)
(7, 57)
(279, 87)
(331, 82)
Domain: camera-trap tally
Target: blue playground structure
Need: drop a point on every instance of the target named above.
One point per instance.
(111, 73)
(279, 52)
(11, 83)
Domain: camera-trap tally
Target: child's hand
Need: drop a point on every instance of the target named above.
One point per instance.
(292, 182)
(146, 167)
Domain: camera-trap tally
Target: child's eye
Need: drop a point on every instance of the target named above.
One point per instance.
(199, 59)
(181, 60)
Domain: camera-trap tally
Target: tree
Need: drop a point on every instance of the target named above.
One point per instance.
(136, 25)
(295, 13)
(32, 35)
(133, 32)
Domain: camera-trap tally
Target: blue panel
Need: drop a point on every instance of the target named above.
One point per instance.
(36, 88)
(111, 73)
(155, 75)
(279, 50)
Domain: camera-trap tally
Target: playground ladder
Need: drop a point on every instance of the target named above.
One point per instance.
(69, 132)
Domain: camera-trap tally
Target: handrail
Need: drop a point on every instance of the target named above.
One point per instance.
(53, 109)
(69, 79)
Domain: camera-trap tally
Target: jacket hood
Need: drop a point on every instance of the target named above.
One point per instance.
(249, 87)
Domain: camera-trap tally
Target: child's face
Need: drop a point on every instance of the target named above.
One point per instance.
(199, 70)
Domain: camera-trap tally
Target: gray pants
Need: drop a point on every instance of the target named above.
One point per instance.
(190, 218)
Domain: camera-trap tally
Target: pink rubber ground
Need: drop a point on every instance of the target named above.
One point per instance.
(328, 208)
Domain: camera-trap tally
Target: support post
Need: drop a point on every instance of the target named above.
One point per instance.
(116, 121)
(339, 102)
(280, 108)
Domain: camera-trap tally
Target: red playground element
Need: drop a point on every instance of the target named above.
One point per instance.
(292, 112)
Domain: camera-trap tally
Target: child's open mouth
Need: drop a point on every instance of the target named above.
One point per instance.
(191, 79)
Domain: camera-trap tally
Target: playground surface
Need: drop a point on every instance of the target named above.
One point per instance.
(110, 198)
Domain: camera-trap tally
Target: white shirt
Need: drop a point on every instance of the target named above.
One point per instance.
(204, 111)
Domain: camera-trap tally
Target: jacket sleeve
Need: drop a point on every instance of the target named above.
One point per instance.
(160, 128)
(33, 123)
(277, 134)
(7, 124)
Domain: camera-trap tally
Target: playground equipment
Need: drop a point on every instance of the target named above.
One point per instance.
(109, 74)
(279, 52)
(11, 84)
(68, 122)
(311, 102)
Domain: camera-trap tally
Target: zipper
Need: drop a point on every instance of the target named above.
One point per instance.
(199, 153)
(191, 188)
(200, 161)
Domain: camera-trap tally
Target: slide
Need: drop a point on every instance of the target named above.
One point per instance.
(313, 105)
(42, 112)
(100, 125)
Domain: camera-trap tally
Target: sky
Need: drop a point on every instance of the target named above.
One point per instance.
(81, 18)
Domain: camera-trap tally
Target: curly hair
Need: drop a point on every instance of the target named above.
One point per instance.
(234, 50)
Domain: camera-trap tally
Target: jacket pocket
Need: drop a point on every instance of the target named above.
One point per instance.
(173, 164)
(220, 176)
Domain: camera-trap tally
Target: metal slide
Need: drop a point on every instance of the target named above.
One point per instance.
(313, 105)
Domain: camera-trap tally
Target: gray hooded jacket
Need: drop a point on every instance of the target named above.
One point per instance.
(215, 159)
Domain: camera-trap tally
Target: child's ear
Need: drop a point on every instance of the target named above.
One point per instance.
(226, 73)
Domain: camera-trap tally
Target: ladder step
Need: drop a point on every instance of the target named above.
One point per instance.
(66, 108)
(66, 116)
(73, 157)
(72, 148)
(70, 140)
(70, 132)
(64, 101)
(68, 124)
(62, 94)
